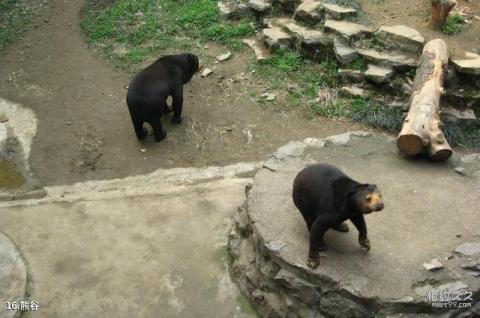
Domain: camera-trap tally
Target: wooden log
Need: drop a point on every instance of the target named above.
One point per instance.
(422, 127)
(440, 11)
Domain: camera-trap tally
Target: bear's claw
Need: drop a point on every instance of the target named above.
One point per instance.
(313, 261)
(365, 243)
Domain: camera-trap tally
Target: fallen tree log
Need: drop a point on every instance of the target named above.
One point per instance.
(422, 127)
(440, 11)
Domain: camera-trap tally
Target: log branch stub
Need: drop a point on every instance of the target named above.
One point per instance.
(440, 11)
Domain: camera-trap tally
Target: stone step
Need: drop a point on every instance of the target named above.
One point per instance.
(232, 9)
(346, 29)
(336, 11)
(350, 76)
(378, 74)
(276, 39)
(261, 52)
(305, 35)
(260, 6)
(353, 91)
(390, 59)
(470, 65)
(343, 52)
(400, 37)
(309, 11)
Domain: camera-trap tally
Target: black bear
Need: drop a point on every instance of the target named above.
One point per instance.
(148, 92)
(327, 197)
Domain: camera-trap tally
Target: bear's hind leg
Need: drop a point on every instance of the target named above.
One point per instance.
(140, 131)
(158, 131)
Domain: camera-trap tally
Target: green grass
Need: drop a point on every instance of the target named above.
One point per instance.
(15, 17)
(454, 24)
(132, 31)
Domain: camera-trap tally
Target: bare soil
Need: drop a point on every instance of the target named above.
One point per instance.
(416, 14)
(85, 130)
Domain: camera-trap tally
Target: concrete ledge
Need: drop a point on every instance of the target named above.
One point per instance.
(269, 241)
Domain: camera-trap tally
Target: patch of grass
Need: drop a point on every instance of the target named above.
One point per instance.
(468, 137)
(378, 116)
(358, 64)
(148, 28)
(454, 24)
(15, 17)
(245, 305)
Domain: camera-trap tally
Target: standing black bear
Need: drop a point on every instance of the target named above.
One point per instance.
(148, 92)
(326, 197)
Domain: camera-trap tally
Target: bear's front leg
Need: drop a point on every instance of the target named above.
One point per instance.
(319, 227)
(177, 104)
(359, 223)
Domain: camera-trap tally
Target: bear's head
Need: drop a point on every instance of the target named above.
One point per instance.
(366, 198)
(193, 63)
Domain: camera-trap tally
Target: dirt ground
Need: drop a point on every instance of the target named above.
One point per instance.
(85, 131)
(416, 14)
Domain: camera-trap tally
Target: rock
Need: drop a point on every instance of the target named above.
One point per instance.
(404, 300)
(309, 11)
(339, 140)
(471, 158)
(361, 133)
(460, 170)
(346, 29)
(344, 53)
(353, 91)
(224, 57)
(304, 35)
(299, 288)
(378, 74)
(314, 142)
(433, 265)
(454, 115)
(293, 149)
(388, 59)
(443, 289)
(338, 12)
(269, 96)
(400, 37)
(276, 246)
(206, 72)
(471, 65)
(261, 53)
(348, 76)
(473, 266)
(276, 39)
(289, 5)
(232, 9)
(259, 5)
(468, 249)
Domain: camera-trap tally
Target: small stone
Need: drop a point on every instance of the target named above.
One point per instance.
(68, 123)
(459, 235)
(293, 149)
(206, 72)
(460, 170)
(269, 96)
(339, 140)
(468, 249)
(69, 24)
(433, 265)
(143, 150)
(224, 57)
(406, 299)
(276, 246)
(46, 20)
(348, 76)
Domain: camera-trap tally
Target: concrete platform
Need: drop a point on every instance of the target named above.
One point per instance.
(147, 246)
(430, 211)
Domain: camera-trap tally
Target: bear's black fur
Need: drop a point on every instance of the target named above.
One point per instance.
(148, 92)
(327, 197)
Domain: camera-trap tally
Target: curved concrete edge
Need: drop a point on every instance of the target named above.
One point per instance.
(13, 276)
(278, 288)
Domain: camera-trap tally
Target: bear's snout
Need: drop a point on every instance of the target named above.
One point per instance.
(379, 207)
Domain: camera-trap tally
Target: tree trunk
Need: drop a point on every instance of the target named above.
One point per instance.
(422, 128)
(440, 11)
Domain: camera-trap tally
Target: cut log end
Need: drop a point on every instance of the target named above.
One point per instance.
(410, 144)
